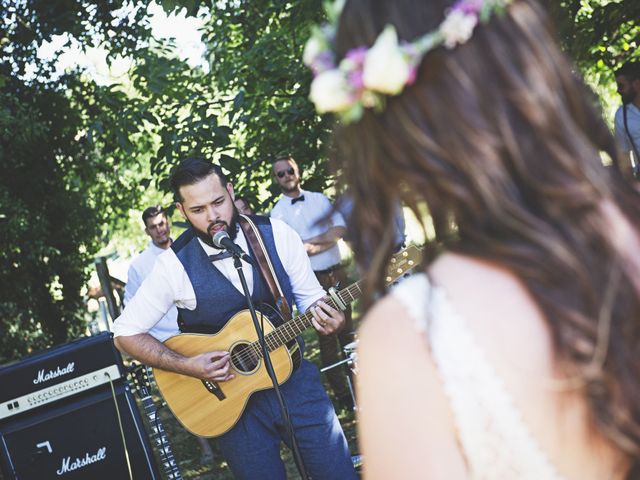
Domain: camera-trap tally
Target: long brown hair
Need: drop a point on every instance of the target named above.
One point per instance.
(500, 136)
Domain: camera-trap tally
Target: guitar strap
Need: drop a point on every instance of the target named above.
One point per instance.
(254, 239)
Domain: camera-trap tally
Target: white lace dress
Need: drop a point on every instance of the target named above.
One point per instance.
(494, 439)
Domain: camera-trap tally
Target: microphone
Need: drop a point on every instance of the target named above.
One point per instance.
(222, 240)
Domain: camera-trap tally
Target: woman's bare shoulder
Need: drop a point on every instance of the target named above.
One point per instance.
(405, 424)
(388, 318)
(499, 310)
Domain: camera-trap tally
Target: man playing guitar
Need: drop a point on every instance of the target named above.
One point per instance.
(207, 293)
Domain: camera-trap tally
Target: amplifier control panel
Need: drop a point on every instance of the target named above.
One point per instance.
(52, 393)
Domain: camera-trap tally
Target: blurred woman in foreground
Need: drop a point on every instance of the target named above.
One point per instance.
(515, 354)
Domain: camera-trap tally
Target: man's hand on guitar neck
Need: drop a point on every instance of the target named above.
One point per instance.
(326, 319)
(213, 366)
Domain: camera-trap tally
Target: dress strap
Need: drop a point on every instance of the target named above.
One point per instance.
(492, 435)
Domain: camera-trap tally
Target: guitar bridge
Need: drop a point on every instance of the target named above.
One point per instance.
(213, 387)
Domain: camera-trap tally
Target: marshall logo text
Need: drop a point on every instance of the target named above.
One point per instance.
(70, 466)
(43, 377)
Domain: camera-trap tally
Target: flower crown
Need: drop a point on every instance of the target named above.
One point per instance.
(365, 75)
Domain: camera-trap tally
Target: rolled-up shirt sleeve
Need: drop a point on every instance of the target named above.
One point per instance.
(337, 220)
(294, 258)
(132, 286)
(162, 289)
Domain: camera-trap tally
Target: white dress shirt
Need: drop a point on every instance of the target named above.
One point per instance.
(168, 284)
(303, 217)
(633, 122)
(140, 268)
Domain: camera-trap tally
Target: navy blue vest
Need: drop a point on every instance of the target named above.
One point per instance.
(217, 300)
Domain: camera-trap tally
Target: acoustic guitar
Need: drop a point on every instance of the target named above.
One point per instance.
(209, 409)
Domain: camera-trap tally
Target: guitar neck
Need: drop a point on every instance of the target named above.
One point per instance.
(399, 265)
(160, 440)
(291, 329)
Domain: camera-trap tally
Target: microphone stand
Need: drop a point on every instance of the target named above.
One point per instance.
(237, 263)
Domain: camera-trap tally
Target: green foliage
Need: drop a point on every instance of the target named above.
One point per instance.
(599, 35)
(77, 157)
(250, 108)
(46, 230)
(58, 186)
(29, 23)
(255, 53)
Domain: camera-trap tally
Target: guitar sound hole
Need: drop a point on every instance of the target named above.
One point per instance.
(244, 358)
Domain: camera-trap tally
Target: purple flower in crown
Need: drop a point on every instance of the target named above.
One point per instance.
(355, 80)
(364, 76)
(321, 62)
(413, 73)
(469, 7)
(353, 63)
(318, 52)
(356, 55)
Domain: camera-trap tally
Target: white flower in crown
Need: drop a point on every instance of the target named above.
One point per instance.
(331, 92)
(457, 27)
(364, 76)
(387, 67)
(312, 49)
(318, 55)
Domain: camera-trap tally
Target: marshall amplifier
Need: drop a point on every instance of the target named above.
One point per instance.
(67, 413)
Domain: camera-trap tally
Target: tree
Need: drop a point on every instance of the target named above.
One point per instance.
(78, 155)
(599, 36)
(257, 89)
(57, 188)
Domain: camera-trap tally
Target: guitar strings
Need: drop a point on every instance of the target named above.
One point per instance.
(253, 353)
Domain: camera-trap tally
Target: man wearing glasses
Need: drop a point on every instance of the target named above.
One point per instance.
(302, 210)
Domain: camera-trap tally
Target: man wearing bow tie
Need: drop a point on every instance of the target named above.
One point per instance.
(207, 291)
(303, 211)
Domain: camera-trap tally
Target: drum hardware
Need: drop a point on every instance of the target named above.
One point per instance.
(351, 360)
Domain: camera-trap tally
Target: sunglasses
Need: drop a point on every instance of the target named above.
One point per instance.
(289, 171)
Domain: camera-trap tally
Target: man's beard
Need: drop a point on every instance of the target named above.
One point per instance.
(629, 97)
(287, 189)
(230, 228)
(166, 241)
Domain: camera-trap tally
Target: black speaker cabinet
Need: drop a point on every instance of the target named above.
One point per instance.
(79, 438)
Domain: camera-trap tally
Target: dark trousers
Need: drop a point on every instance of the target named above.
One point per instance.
(331, 345)
(252, 446)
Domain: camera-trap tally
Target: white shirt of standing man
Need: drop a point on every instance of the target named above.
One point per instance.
(628, 82)
(158, 228)
(302, 209)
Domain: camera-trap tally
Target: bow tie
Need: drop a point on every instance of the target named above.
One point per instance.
(219, 256)
(299, 199)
